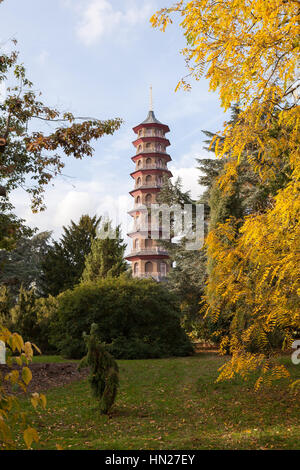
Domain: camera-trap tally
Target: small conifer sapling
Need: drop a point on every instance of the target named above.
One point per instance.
(104, 371)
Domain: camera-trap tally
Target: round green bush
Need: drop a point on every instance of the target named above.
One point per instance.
(136, 319)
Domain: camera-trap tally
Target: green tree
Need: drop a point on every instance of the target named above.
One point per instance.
(248, 52)
(12, 228)
(137, 318)
(249, 194)
(6, 303)
(22, 265)
(24, 316)
(104, 374)
(191, 269)
(106, 258)
(31, 316)
(64, 262)
(188, 274)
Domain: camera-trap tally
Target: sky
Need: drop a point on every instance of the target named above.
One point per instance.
(98, 58)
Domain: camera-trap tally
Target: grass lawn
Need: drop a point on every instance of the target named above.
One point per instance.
(172, 404)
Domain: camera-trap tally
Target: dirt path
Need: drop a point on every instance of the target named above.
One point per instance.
(45, 376)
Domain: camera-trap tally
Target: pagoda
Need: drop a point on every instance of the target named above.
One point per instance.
(147, 257)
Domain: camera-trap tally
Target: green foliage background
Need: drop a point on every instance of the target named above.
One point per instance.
(136, 319)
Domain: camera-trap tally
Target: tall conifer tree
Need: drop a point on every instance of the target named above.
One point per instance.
(106, 257)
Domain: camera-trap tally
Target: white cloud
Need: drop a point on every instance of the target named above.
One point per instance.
(66, 202)
(72, 206)
(123, 141)
(100, 18)
(185, 167)
(188, 159)
(189, 178)
(42, 57)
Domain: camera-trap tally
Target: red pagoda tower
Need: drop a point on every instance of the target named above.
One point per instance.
(151, 165)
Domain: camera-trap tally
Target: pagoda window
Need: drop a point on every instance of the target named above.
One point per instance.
(148, 179)
(148, 199)
(163, 269)
(149, 267)
(138, 181)
(148, 145)
(136, 268)
(139, 163)
(138, 200)
(148, 243)
(148, 161)
(139, 148)
(160, 163)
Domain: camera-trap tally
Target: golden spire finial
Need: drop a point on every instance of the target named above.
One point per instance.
(151, 99)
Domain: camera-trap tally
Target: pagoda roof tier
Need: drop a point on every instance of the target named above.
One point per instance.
(143, 208)
(151, 121)
(151, 257)
(166, 156)
(150, 171)
(150, 232)
(160, 140)
(157, 250)
(145, 189)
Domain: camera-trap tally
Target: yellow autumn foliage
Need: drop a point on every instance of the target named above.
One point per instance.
(248, 50)
(11, 414)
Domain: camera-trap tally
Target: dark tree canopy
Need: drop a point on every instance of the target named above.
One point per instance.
(137, 318)
(22, 265)
(64, 262)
